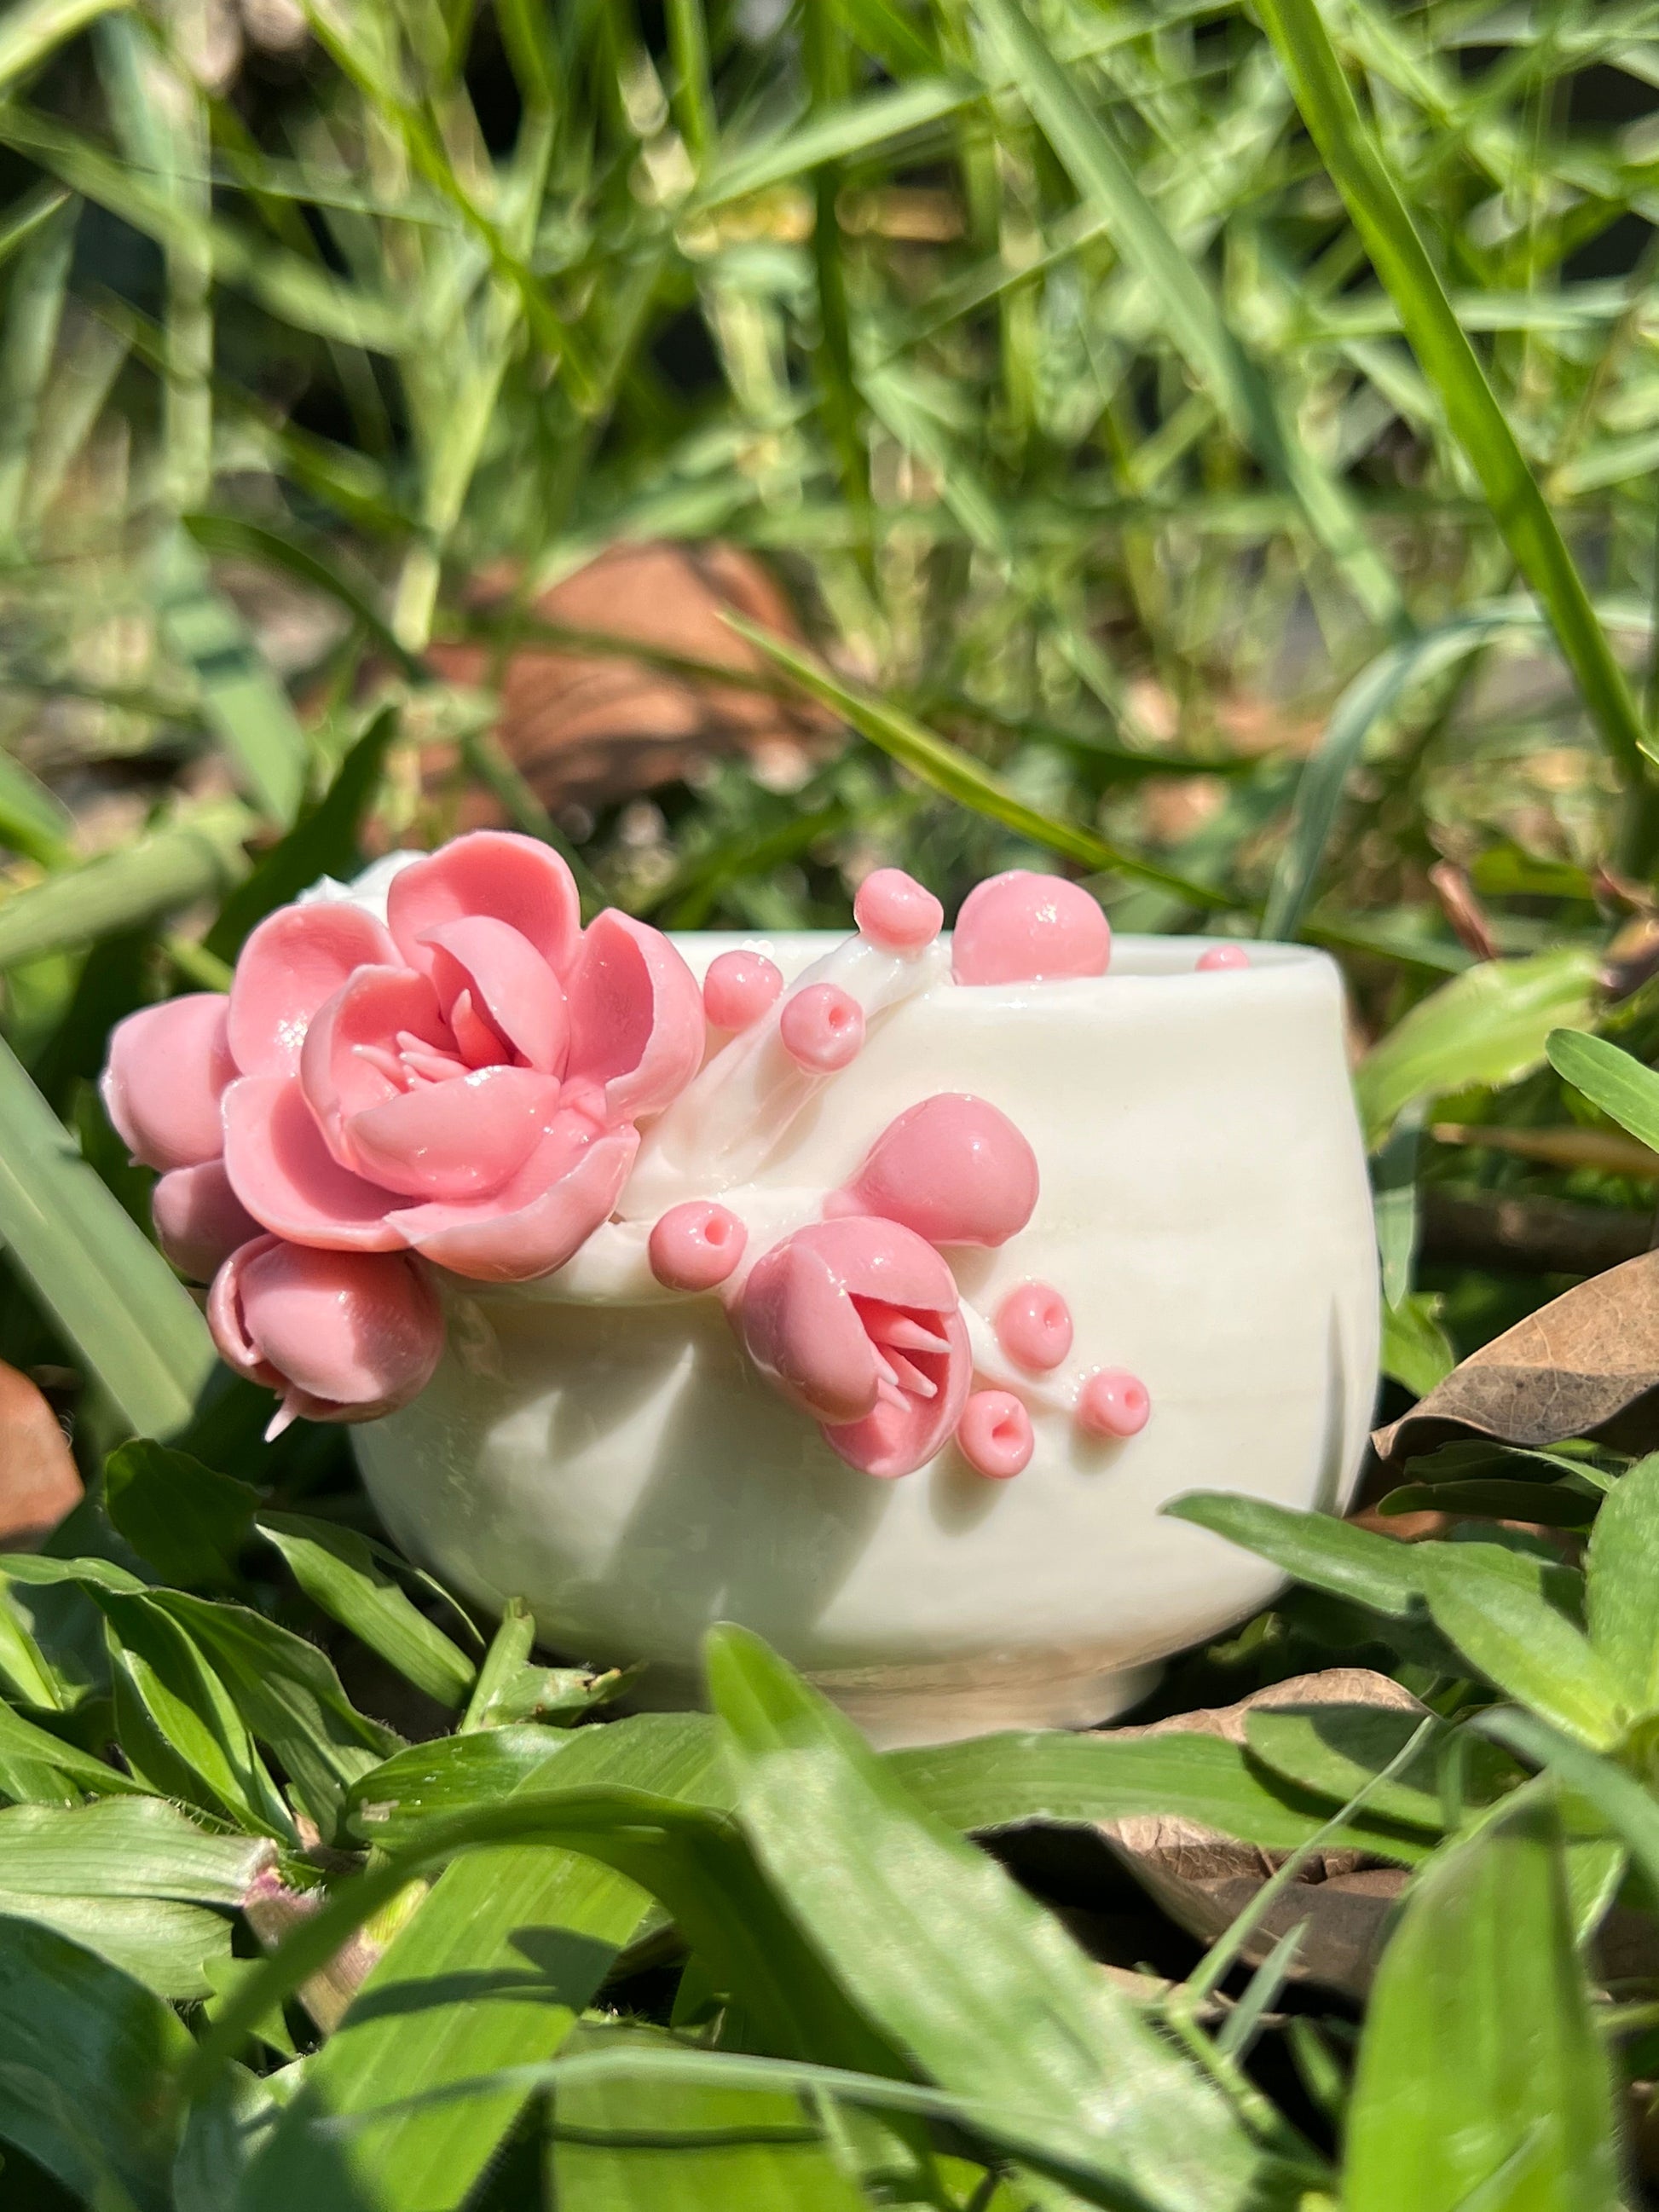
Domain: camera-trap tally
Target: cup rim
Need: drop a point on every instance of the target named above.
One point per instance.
(1140, 960)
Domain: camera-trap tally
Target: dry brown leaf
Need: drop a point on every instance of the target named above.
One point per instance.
(1587, 1365)
(1204, 1879)
(596, 727)
(39, 1481)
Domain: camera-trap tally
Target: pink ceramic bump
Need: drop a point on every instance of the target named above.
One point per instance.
(821, 1027)
(1224, 956)
(1034, 1326)
(994, 1434)
(738, 988)
(696, 1246)
(1024, 928)
(1113, 1404)
(953, 1168)
(896, 911)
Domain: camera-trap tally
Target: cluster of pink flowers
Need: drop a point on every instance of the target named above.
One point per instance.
(462, 1087)
(461, 1084)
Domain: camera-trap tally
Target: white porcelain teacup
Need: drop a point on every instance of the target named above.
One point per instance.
(1205, 1210)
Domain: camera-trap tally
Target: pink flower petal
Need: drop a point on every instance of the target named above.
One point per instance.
(509, 985)
(199, 1220)
(898, 1438)
(493, 872)
(286, 1177)
(636, 1017)
(227, 1320)
(953, 1168)
(342, 1069)
(455, 1141)
(564, 1190)
(167, 1070)
(348, 1335)
(295, 960)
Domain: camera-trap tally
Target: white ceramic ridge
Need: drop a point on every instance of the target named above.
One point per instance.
(608, 1455)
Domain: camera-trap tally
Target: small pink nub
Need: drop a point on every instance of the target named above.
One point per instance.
(696, 1246)
(1224, 956)
(821, 1027)
(994, 1434)
(738, 989)
(897, 913)
(1113, 1404)
(1034, 1326)
(1025, 929)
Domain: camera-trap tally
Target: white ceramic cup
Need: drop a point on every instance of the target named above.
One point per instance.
(1204, 1210)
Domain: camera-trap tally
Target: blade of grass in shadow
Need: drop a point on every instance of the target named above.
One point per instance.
(1370, 694)
(241, 700)
(34, 305)
(959, 776)
(197, 856)
(1191, 313)
(120, 1306)
(1450, 362)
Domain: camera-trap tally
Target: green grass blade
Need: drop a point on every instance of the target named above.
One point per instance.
(1192, 314)
(37, 28)
(492, 1972)
(1611, 1078)
(85, 2055)
(28, 340)
(340, 1575)
(1370, 697)
(33, 818)
(1480, 2059)
(955, 1964)
(243, 703)
(1621, 1574)
(120, 1306)
(645, 2145)
(959, 776)
(1489, 1025)
(198, 856)
(1451, 363)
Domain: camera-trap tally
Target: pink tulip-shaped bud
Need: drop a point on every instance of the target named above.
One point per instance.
(821, 1027)
(694, 1247)
(994, 1434)
(857, 1321)
(953, 1168)
(166, 1071)
(738, 988)
(896, 911)
(1113, 1404)
(199, 1220)
(1223, 956)
(345, 1336)
(1025, 929)
(1034, 1326)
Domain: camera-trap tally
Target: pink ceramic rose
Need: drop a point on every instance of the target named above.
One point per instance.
(462, 1082)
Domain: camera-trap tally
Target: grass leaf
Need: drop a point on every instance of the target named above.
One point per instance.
(1482, 2078)
(1449, 361)
(120, 1306)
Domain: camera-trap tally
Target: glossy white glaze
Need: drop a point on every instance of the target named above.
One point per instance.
(1204, 1212)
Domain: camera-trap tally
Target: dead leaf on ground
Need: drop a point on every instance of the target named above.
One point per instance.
(593, 727)
(1587, 1365)
(39, 1480)
(1204, 1879)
